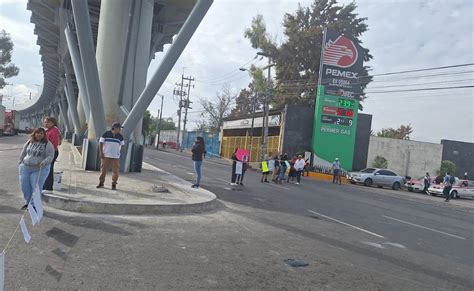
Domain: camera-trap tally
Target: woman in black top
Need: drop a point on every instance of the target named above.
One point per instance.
(198, 150)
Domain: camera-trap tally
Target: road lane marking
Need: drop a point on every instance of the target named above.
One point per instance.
(347, 224)
(424, 227)
(282, 187)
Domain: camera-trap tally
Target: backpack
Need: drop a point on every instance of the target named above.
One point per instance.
(452, 180)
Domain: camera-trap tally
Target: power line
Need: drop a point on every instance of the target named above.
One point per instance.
(419, 70)
(421, 89)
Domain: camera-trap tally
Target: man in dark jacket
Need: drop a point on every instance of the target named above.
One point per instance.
(198, 150)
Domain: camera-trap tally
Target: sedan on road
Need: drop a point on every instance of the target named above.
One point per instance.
(416, 185)
(378, 177)
(463, 188)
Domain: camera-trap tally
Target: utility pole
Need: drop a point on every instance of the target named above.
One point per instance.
(254, 100)
(267, 109)
(187, 102)
(158, 128)
(179, 93)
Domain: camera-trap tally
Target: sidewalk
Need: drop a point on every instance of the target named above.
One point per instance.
(153, 191)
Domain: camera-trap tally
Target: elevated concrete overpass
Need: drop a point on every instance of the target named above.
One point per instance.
(95, 56)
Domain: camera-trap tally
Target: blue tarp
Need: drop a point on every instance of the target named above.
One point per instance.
(210, 139)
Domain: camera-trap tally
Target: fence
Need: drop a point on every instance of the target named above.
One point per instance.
(230, 143)
(210, 139)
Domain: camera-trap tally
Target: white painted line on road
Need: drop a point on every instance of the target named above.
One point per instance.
(189, 173)
(222, 180)
(347, 224)
(424, 227)
(282, 187)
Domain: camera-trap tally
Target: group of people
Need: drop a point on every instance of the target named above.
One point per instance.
(37, 158)
(448, 181)
(280, 164)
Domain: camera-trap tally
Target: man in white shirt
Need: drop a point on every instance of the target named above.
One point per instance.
(336, 169)
(299, 166)
(110, 144)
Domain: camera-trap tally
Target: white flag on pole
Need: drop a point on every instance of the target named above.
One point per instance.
(38, 203)
(24, 230)
(33, 215)
(2, 271)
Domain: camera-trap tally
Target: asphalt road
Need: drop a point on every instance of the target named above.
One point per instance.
(439, 236)
(351, 237)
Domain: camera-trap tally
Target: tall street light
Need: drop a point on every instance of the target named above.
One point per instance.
(254, 100)
(267, 103)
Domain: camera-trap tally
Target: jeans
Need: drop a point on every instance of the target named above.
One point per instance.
(197, 170)
(282, 173)
(446, 193)
(30, 177)
(336, 178)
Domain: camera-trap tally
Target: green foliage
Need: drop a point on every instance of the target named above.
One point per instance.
(297, 58)
(7, 68)
(447, 166)
(380, 162)
(150, 124)
(403, 132)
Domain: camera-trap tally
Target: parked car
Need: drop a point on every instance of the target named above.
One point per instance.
(436, 189)
(463, 188)
(417, 185)
(378, 177)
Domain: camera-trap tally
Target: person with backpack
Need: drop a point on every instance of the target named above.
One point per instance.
(292, 171)
(198, 150)
(283, 168)
(266, 170)
(234, 166)
(449, 181)
(34, 163)
(53, 134)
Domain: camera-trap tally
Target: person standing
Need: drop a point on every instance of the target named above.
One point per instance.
(283, 167)
(336, 169)
(426, 182)
(234, 166)
(276, 168)
(53, 134)
(299, 166)
(240, 178)
(448, 185)
(266, 170)
(110, 145)
(198, 150)
(292, 171)
(34, 163)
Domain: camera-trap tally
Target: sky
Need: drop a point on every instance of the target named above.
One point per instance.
(403, 35)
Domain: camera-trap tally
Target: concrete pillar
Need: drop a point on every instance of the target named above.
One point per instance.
(80, 10)
(179, 43)
(111, 46)
(71, 100)
(64, 116)
(81, 112)
(137, 59)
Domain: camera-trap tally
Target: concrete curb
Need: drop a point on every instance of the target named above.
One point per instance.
(85, 206)
(59, 201)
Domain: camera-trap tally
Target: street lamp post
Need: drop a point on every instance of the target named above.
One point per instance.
(158, 129)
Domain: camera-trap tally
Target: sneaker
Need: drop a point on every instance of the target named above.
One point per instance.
(233, 184)
(24, 207)
(241, 184)
(266, 181)
(297, 183)
(114, 187)
(100, 185)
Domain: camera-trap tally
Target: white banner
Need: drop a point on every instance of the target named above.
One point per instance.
(33, 215)
(38, 203)
(2, 271)
(238, 168)
(24, 230)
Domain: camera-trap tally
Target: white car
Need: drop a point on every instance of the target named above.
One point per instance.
(436, 189)
(463, 188)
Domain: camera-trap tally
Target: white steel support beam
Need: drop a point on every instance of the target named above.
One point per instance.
(197, 14)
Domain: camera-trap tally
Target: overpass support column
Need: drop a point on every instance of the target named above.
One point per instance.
(64, 116)
(197, 14)
(111, 47)
(79, 73)
(80, 10)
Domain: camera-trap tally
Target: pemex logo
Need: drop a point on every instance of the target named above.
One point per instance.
(340, 53)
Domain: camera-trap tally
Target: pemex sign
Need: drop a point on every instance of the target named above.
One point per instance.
(337, 99)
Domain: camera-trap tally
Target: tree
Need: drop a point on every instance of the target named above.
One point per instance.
(254, 93)
(167, 124)
(380, 162)
(403, 132)
(447, 166)
(298, 57)
(148, 124)
(7, 68)
(215, 111)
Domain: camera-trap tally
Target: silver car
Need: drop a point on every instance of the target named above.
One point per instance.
(374, 176)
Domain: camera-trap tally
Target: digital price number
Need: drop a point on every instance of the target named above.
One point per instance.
(345, 112)
(336, 120)
(345, 103)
